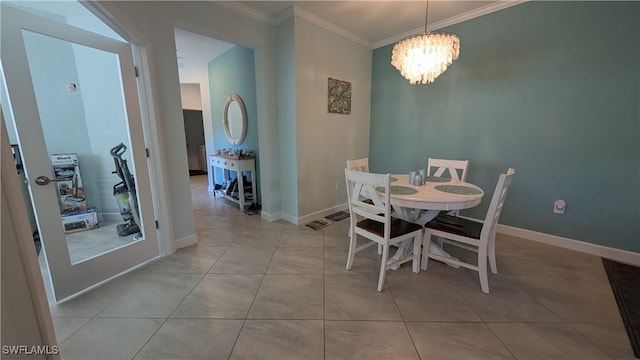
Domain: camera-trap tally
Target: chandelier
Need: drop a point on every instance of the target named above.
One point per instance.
(422, 58)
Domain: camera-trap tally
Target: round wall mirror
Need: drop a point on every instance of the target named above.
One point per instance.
(234, 119)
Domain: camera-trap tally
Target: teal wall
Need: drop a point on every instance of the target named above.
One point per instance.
(234, 73)
(549, 88)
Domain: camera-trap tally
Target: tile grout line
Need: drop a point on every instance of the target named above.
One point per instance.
(255, 295)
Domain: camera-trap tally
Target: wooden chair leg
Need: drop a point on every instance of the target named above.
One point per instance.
(482, 271)
(383, 266)
(492, 256)
(352, 248)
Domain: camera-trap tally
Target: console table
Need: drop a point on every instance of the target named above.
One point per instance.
(239, 166)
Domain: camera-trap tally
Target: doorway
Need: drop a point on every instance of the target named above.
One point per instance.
(194, 133)
(194, 53)
(194, 128)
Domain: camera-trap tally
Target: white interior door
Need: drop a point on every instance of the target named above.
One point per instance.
(73, 92)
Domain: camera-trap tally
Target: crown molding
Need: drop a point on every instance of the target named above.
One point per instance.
(316, 20)
(450, 21)
(282, 16)
(299, 12)
(248, 11)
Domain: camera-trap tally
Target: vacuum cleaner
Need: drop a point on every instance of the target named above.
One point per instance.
(125, 194)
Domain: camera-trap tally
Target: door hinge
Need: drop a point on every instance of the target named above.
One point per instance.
(135, 69)
(147, 151)
(157, 225)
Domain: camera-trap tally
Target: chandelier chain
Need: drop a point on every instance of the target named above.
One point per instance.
(426, 17)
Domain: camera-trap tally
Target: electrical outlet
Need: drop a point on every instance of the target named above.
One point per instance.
(559, 206)
(338, 182)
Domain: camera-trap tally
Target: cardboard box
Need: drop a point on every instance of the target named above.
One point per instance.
(69, 182)
(80, 220)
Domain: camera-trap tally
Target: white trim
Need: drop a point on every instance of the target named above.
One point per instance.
(270, 217)
(624, 256)
(99, 284)
(251, 12)
(309, 16)
(321, 213)
(186, 241)
(284, 15)
(101, 13)
(297, 11)
(290, 219)
(152, 133)
(485, 10)
(24, 239)
(316, 20)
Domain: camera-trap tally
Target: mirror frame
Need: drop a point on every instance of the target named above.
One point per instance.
(225, 119)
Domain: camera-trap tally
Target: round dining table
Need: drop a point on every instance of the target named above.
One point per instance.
(421, 203)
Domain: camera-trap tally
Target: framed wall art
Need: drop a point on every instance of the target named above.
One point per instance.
(339, 96)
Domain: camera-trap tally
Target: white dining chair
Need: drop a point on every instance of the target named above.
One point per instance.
(470, 235)
(374, 221)
(457, 169)
(358, 164)
(361, 165)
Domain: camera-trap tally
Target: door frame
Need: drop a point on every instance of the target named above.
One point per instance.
(18, 211)
(157, 170)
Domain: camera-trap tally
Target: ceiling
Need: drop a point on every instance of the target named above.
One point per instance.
(195, 52)
(373, 23)
(369, 23)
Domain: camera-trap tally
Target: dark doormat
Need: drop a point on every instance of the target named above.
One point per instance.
(625, 283)
(340, 215)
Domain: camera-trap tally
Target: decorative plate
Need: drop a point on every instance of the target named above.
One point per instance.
(458, 189)
(399, 190)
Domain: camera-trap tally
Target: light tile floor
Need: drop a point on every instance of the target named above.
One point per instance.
(257, 290)
(89, 243)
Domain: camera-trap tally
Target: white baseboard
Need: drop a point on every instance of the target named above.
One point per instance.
(303, 219)
(624, 256)
(320, 214)
(186, 241)
(269, 216)
(289, 218)
(279, 216)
